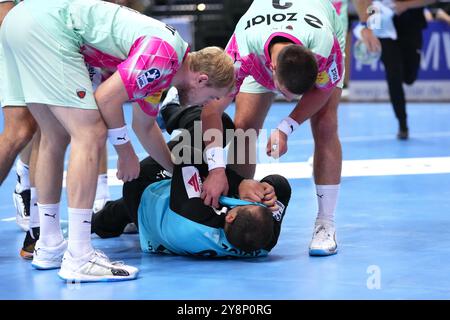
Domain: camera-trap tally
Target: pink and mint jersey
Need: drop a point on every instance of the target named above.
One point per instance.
(341, 7)
(313, 24)
(146, 52)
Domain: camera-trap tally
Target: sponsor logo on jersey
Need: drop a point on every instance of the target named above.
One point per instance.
(278, 215)
(313, 21)
(322, 79)
(333, 73)
(155, 98)
(192, 182)
(148, 77)
(81, 93)
(270, 18)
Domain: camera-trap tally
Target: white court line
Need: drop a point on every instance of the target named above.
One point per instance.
(372, 138)
(9, 219)
(362, 168)
(294, 142)
(350, 168)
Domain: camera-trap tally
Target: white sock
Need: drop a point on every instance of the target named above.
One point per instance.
(327, 196)
(34, 212)
(102, 187)
(23, 172)
(50, 233)
(80, 232)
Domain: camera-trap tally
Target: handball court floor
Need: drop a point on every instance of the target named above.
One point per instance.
(393, 225)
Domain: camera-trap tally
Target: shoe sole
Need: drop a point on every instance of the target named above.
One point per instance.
(321, 252)
(45, 265)
(26, 255)
(78, 278)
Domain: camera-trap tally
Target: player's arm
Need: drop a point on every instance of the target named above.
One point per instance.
(185, 195)
(216, 184)
(283, 194)
(310, 103)
(4, 9)
(110, 97)
(151, 138)
(363, 8)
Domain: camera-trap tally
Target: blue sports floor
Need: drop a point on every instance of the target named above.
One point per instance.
(393, 226)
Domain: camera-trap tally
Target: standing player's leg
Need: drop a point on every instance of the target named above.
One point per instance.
(411, 53)
(34, 225)
(392, 60)
(22, 193)
(51, 245)
(22, 169)
(327, 174)
(251, 111)
(19, 128)
(88, 136)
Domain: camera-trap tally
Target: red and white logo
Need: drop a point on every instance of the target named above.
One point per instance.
(192, 182)
(81, 93)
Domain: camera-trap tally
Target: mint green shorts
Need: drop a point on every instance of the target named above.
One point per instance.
(37, 67)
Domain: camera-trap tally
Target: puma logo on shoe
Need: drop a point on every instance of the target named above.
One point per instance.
(50, 215)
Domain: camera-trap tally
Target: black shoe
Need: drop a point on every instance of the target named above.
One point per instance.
(403, 134)
(28, 244)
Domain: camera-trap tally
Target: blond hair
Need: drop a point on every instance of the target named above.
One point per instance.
(216, 64)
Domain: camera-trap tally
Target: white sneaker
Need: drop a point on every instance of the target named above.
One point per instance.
(323, 242)
(94, 267)
(46, 258)
(22, 202)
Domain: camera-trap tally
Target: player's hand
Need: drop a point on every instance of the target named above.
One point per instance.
(277, 144)
(251, 190)
(370, 40)
(128, 163)
(270, 198)
(215, 185)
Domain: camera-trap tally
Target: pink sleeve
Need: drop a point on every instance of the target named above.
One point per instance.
(150, 104)
(233, 51)
(148, 70)
(331, 69)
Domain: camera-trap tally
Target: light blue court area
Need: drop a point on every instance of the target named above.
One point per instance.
(393, 224)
